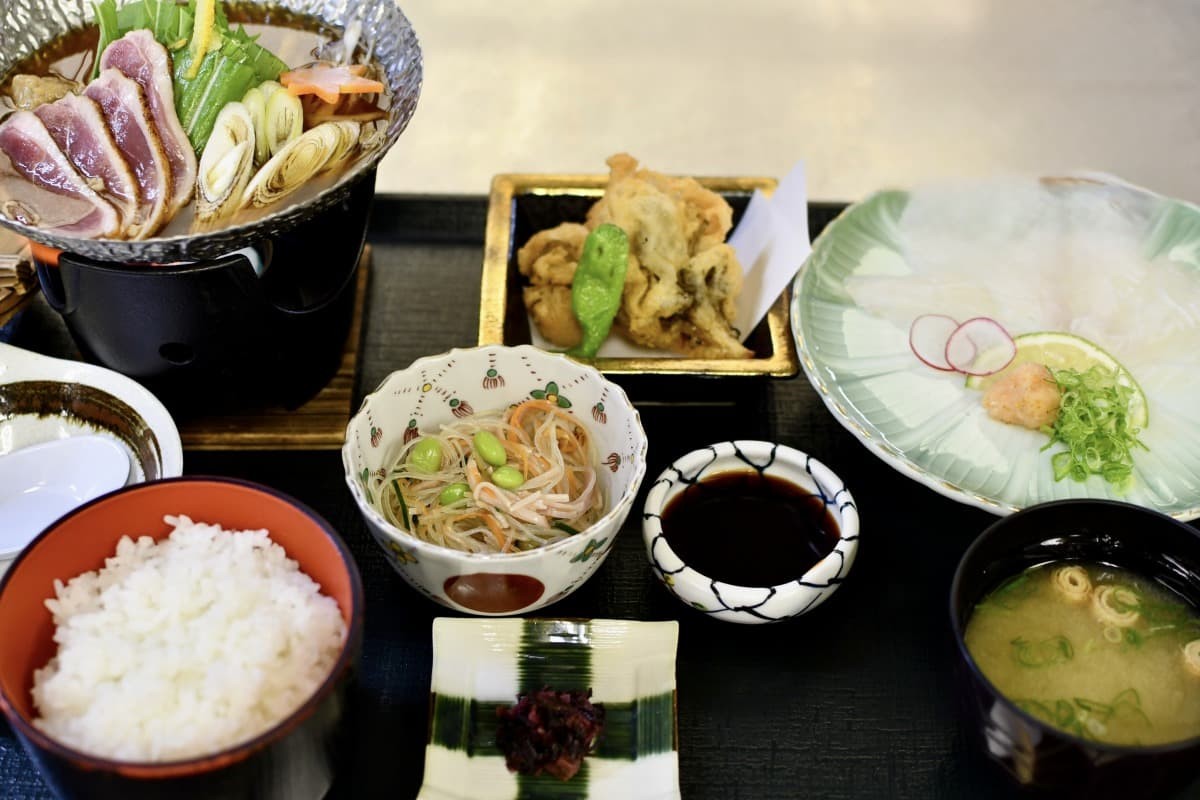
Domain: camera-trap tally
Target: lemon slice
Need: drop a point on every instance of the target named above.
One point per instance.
(1065, 351)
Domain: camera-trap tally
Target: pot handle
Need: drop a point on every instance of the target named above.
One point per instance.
(53, 290)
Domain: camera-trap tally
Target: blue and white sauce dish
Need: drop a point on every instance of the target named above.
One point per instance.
(786, 595)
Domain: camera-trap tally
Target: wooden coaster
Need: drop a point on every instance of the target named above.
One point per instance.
(319, 424)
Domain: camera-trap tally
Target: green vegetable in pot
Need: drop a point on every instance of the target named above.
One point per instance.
(597, 286)
(214, 64)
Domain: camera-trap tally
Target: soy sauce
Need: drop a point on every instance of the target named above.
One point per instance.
(749, 529)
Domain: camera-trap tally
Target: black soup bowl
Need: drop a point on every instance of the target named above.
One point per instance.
(1036, 755)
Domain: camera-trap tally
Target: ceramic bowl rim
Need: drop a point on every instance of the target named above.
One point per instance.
(958, 628)
(403, 537)
(237, 753)
(656, 500)
(116, 385)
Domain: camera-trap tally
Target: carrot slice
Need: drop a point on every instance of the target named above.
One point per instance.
(328, 81)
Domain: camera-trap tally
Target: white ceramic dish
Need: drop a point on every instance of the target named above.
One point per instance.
(1097, 258)
(750, 604)
(39, 484)
(43, 399)
(481, 664)
(440, 389)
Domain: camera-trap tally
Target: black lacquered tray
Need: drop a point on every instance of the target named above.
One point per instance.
(855, 700)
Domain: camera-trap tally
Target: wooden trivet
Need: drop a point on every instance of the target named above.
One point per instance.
(319, 424)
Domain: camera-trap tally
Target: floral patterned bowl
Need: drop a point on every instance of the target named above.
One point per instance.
(750, 604)
(440, 389)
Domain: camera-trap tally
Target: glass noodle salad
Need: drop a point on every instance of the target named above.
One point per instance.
(497, 482)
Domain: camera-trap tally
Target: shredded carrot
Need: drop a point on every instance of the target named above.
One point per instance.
(565, 439)
(519, 410)
(493, 523)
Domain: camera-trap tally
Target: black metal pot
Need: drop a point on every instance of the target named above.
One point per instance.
(226, 332)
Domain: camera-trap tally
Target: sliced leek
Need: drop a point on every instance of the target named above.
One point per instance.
(257, 106)
(346, 144)
(284, 119)
(226, 165)
(298, 161)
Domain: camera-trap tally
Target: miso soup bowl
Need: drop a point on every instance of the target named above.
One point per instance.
(751, 604)
(1034, 754)
(453, 386)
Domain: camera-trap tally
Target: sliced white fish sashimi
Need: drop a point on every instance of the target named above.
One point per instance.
(39, 186)
(128, 116)
(78, 128)
(138, 56)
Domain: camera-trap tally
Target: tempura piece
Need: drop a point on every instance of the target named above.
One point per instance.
(549, 260)
(679, 293)
(550, 309)
(551, 256)
(1026, 396)
(682, 281)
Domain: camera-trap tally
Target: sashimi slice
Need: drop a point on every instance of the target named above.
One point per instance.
(77, 126)
(40, 187)
(128, 116)
(138, 56)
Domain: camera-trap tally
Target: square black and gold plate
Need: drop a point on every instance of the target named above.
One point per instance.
(522, 205)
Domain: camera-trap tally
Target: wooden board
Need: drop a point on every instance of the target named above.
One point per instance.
(319, 424)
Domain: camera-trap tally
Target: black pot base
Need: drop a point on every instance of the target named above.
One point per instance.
(221, 335)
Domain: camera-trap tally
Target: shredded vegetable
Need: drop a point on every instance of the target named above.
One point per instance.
(560, 492)
(1093, 426)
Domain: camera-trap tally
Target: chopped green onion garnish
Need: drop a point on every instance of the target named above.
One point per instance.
(1093, 425)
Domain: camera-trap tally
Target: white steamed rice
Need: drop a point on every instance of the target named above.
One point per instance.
(184, 647)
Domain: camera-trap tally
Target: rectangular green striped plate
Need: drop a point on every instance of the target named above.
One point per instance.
(481, 664)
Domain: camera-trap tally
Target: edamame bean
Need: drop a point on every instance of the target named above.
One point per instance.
(453, 493)
(507, 477)
(490, 449)
(426, 455)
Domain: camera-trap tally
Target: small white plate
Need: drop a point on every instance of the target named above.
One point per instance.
(480, 664)
(41, 483)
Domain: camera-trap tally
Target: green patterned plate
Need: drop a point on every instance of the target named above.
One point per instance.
(1110, 262)
(480, 664)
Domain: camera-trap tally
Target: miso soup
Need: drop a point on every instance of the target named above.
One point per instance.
(1095, 651)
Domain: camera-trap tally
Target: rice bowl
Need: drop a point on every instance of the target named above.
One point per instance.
(298, 754)
(185, 646)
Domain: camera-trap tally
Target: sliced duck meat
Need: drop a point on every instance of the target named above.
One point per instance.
(40, 187)
(128, 116)
(78, 128)
(140, 57)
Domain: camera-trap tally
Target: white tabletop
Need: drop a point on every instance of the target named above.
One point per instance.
(870, 93)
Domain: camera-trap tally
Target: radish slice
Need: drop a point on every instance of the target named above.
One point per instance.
(928, 335)
(980, 346)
